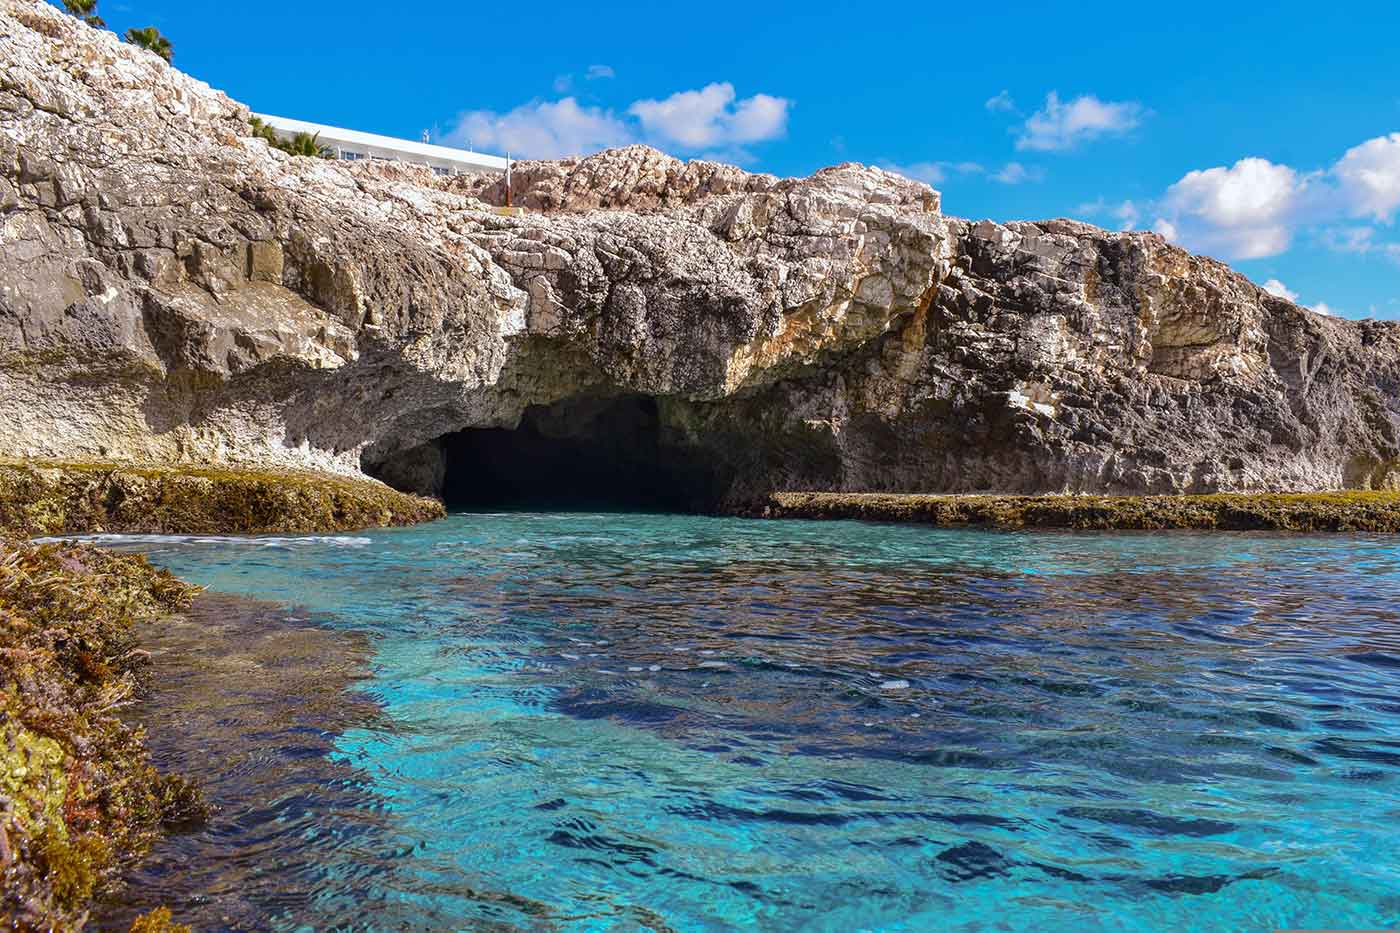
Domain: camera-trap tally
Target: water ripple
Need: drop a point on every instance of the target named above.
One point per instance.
(593, 721)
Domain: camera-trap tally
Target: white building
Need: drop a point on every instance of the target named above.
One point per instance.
(352, 144)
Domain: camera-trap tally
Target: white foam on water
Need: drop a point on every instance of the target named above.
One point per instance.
(254, 541)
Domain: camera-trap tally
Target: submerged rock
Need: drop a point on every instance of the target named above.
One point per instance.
(173, 290)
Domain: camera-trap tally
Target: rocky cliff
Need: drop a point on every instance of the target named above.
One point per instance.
(173, 290)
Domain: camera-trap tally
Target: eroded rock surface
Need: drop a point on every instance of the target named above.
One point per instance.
(171, 289)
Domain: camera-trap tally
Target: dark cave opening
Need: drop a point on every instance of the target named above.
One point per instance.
(585, 453)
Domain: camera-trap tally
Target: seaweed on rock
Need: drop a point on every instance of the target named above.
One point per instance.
(42, 498)
(1350, 511)
(79, 798)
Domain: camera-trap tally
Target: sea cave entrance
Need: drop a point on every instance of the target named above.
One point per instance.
(584, 453)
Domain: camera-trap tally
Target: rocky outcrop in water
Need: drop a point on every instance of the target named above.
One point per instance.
(38, 498)
(173, 290)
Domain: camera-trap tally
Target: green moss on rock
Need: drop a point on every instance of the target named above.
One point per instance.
(50, 498)
(79, 798)
(1354, 511)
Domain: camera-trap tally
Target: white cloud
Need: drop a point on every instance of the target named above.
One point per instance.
(965, 168)
(708, 119)
(758, 118)
(1242, 212)
(1360, 240)
(730, 155)
(565, 83)
(1349, 239)
(1061, 125)
(542, 130)
(1368, 176)
(1014, 173)
(712, 117)
(1279, 290)
(1126, 213)
(1255, 207)
(931, 173)
(1001, 103)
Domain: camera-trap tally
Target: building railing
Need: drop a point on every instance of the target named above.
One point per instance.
(353, 145)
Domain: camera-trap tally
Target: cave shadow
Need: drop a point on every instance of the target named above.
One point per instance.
(585, 454)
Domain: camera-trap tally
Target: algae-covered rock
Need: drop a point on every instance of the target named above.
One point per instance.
(78, 498)
(79, 799)
(1336, 511)
(158, 921)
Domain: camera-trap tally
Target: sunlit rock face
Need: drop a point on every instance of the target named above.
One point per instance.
(171, 289)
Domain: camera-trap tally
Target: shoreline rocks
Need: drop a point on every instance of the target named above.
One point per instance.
(79, 799)
(1296, 512)
(80, 802)
(43, 499)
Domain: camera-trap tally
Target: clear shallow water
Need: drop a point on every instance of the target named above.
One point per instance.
(601, 721)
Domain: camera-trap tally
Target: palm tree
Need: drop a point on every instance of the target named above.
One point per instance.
(151, 40)
(302, 144)
(86, 10)
(262, 130)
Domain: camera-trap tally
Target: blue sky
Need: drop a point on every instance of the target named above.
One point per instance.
(1267, 135)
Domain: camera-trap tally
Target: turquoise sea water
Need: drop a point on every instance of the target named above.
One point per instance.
(614, 721)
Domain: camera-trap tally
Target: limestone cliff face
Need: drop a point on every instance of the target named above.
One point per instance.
(173, 290)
